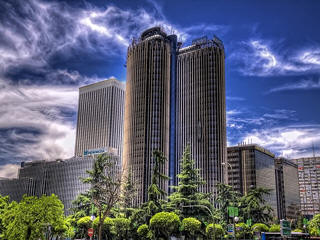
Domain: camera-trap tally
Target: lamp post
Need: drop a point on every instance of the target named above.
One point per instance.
(224, 164)
(211, 214)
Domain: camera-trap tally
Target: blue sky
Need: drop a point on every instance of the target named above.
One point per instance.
(50, 48)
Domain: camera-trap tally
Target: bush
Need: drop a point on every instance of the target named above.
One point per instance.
(107, 228)
(191, 226)
(164, 224)
(260, 227)
(84, 222)
(243, 231)
(274, 228)
(314, 225)
(217, 231)
(121, 228)
(298, 230)
(144, 232)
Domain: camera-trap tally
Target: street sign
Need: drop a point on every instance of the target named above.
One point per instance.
(285, 228)
(90, 232)
(233, 211)
(230, 229)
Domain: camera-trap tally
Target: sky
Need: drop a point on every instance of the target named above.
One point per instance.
(48, 49)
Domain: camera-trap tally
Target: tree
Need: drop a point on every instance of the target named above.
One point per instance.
(187, 193)
(214, 232)
(83, 225)
(4, 203)
(274, 228)
(226, 197)
(191, 227)
(121, 228)
(164, 224)
(143, 232)
(243, 231)
(127, 195)
(254, 206)
(32, 217)
(314, 225)
(105, 187)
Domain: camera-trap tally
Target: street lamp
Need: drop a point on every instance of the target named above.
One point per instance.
(224, 164)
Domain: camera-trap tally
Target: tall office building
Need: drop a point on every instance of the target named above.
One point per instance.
(174, 97)
(100, 118)
(287, 189)
(16, 188)
(200, 107)
(147, 107)
(252, 166)
(309, 185)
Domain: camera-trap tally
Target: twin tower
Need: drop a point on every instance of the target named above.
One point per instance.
(174, 97)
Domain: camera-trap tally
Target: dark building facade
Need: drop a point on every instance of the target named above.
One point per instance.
(174, 96)
(287, 189)
(252, 166)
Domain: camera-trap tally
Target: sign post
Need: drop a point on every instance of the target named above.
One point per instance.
(285, 228)
(90, 232)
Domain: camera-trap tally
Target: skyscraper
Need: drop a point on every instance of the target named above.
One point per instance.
(200, 107)
(174, 97)
(147, 108)
(100, 118)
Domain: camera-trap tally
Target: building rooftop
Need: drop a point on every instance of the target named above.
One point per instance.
(102, 84)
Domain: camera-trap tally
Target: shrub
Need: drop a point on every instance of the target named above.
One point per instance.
(243, 231)
(274, 228)
(260, 227)
(164, 224)
(314, 225)
(121, 228)
(190, 226)
(84, 222)
(144, 232)
(217, 231)
(298, 230)
(107, 228)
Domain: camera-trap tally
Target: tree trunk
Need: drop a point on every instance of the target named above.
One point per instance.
(100, 226)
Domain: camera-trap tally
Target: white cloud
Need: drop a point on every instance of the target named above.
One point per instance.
(290, 141)
(258, 57)
(9, 170)
(301, 85)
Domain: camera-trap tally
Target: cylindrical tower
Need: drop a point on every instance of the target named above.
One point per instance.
(201, 110)
(147, 108)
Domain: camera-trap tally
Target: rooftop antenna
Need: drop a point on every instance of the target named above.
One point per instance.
(313, 150)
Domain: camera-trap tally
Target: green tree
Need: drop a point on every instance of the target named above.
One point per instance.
(164, 224)
(187, 201)
(107, 227)
(105, 187)
(191, 227)
(127, 195)
(254, 206)
(214, 232)
(121, 228)
(226, 197)
(4, 204)
(32, 217)
(143, 232)
(83, 225)
(314, 225)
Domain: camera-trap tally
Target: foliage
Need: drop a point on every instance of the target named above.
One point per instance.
(32, 217)
(314, 225)
(107, 227)
(4, 203)
(298, 230)
(127, 195)
(214, 231)
(260, 227)
(190, 226)
(187, 201)
(105, 187)
(121, 228)
(164, 224)
(254, 206)
(144, 232)
(274, 228)
(226, 197)
(243, 231)
(83, 225)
